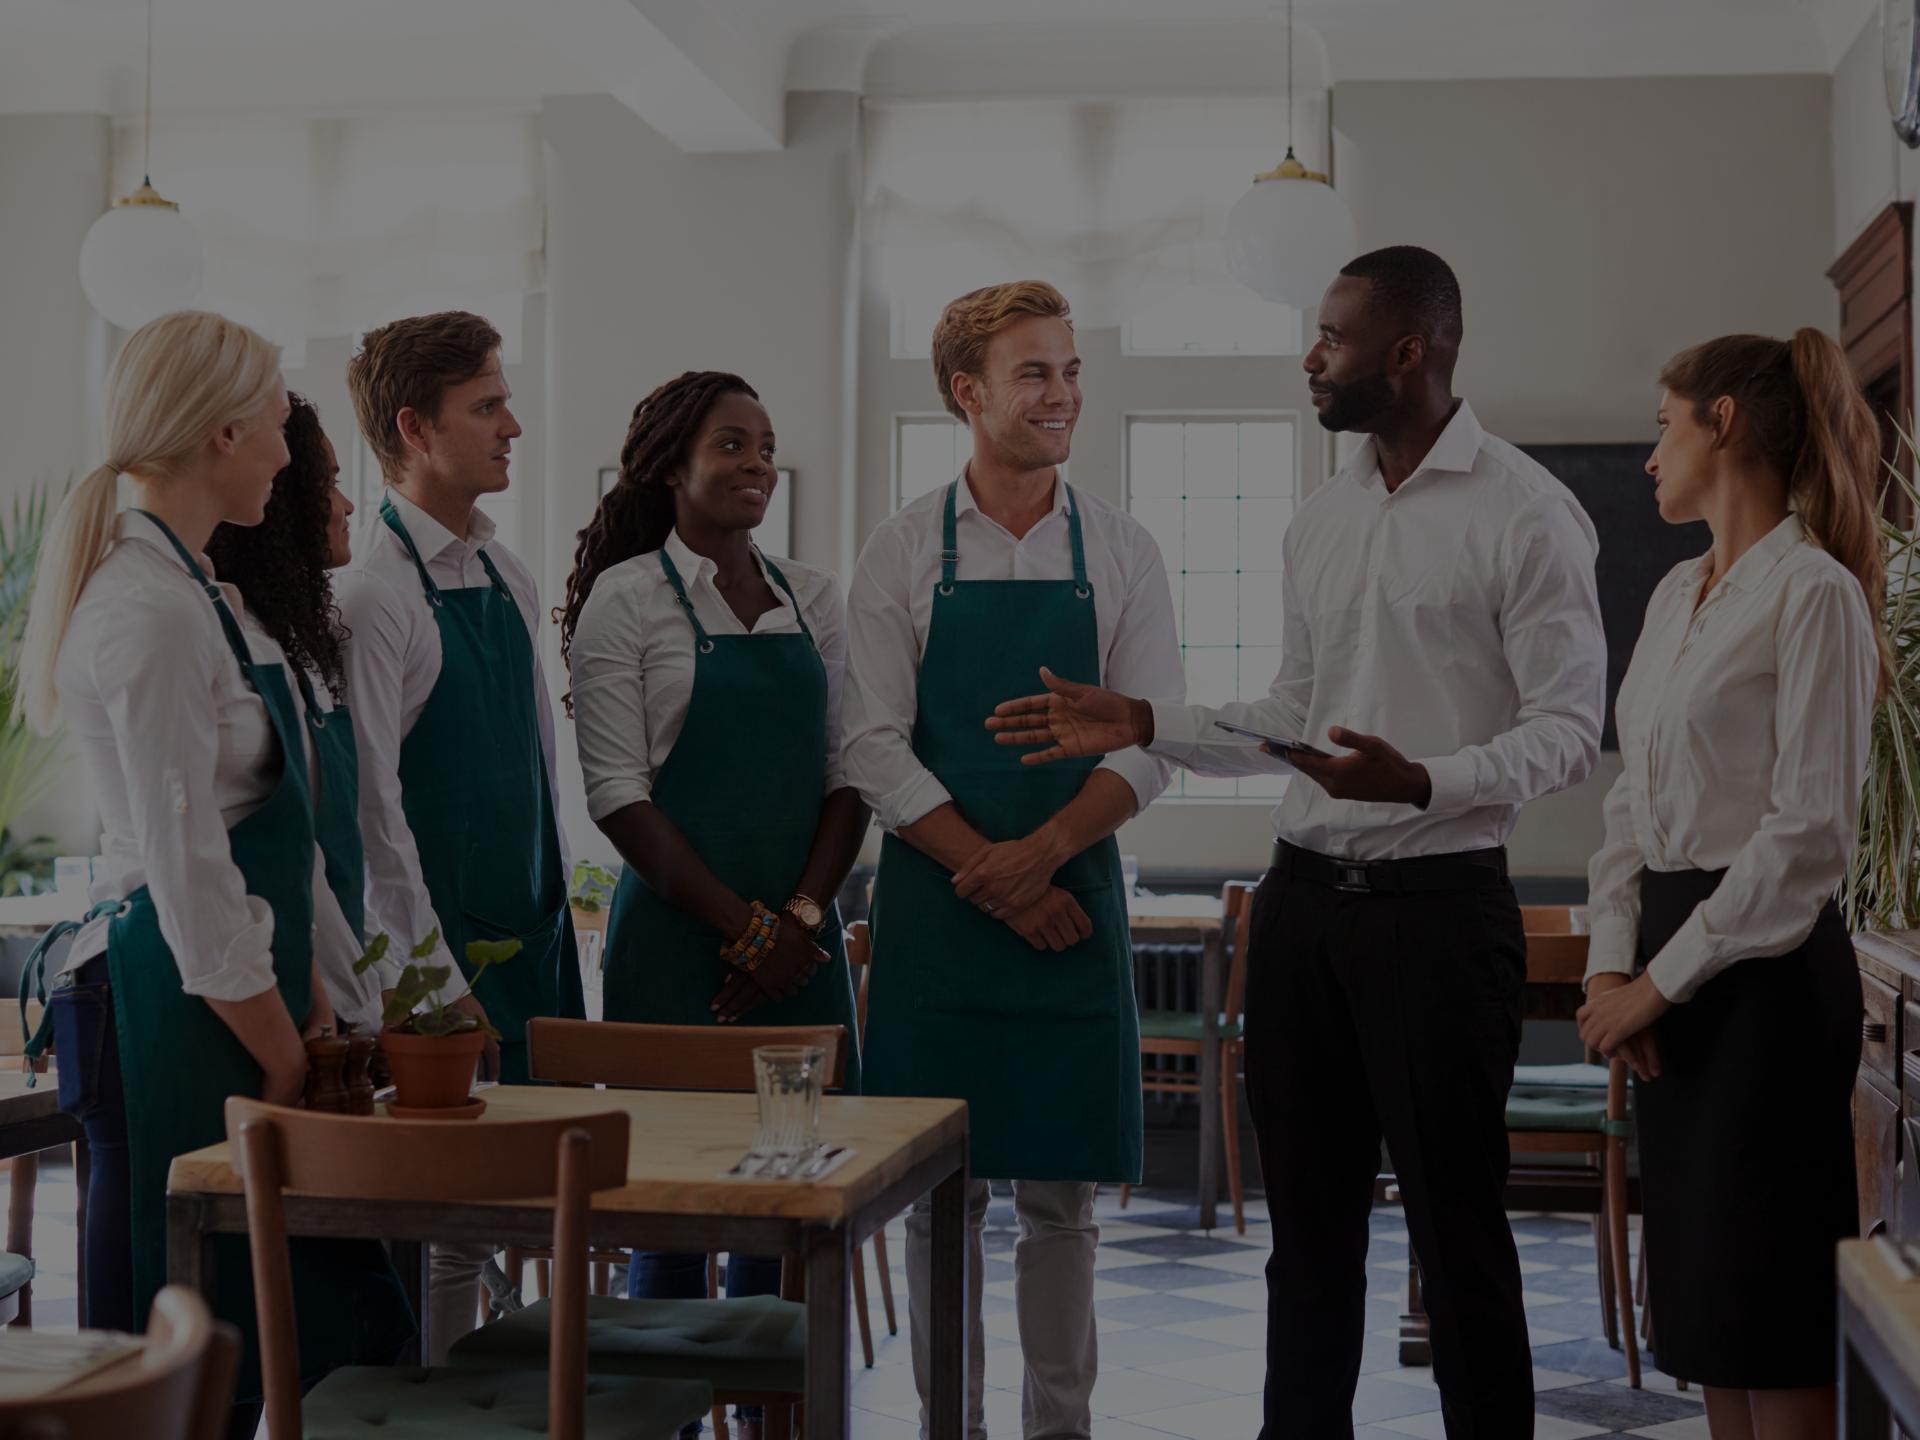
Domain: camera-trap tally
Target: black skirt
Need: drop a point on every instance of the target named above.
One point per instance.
(1746, 1154)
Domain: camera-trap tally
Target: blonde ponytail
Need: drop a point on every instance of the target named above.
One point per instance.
(1807, 421)
(177, 380)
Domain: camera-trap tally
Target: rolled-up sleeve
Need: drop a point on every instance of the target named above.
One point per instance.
(883, 679)
(155, 674)
(609, 699)
(1557, 651)
(1827, 669)
(1145, 658)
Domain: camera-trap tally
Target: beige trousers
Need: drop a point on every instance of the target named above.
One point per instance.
(1053, 1301)
(453, 1295)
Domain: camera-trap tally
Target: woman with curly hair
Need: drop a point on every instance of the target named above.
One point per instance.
(706, 689)
(280, 568)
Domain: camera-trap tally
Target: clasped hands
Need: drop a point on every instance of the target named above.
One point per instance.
(1013, 882)
(1617, 1017)
(785, 970)
(1072, 720)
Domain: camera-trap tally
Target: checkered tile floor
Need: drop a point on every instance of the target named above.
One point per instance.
(1182, 1330)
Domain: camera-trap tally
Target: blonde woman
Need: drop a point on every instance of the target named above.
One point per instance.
(1720, 966)
(194, 975)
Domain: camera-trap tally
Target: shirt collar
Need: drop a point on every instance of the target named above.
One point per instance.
(964, 501)
(689, 562)
(132, 525)
(1750, 569)
(430, 537)
(1456, 451)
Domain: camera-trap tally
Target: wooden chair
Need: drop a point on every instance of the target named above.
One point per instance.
(16, 1304)
(1575, 1110)
(376, 1158)
(1166, 1034)
(860, 961)
(752, 1349)
(180, 1386)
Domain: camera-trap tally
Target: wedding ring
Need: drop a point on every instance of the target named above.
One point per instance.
(987, 905)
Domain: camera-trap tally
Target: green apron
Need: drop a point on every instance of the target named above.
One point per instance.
(1043, 1046)
(473, 784)
(336, 808)
(179, 1063)
(744, 783)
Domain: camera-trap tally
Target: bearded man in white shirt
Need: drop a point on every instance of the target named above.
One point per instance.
(1439, 589)
(1003, 973)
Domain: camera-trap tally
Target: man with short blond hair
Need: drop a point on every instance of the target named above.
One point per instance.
(1003, 971)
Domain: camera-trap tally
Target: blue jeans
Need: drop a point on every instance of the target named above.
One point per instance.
(663, 1275)
(91, 1092)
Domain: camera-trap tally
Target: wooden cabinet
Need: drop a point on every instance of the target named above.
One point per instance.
(1888, 1085)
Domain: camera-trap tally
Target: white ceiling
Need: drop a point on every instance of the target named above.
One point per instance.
(711, 73)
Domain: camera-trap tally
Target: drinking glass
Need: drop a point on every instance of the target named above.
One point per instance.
(788, 1079)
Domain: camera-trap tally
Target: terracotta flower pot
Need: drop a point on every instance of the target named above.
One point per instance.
(433, 1072)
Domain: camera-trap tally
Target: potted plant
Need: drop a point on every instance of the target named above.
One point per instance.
(432, 1047)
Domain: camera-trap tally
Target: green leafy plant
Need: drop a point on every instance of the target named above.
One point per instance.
(593, 887)
(24, 755)
(26, 866)
(1882, 886)
(421, 985)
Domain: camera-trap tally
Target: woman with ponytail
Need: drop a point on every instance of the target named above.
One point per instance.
(1720, 967)
(193, 977)
(706, 694)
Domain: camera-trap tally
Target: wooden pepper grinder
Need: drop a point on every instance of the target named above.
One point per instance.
(326, 1074)
(359, 1074)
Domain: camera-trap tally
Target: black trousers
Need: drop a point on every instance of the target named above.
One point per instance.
(1395, 1017)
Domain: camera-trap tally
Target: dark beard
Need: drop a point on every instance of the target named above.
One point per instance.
(1358, 404)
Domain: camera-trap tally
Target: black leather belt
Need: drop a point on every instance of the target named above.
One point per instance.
(1419, 875)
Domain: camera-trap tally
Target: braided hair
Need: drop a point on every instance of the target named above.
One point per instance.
(637, 514)
(280, 565)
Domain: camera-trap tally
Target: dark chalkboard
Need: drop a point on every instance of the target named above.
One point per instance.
(1637, 547)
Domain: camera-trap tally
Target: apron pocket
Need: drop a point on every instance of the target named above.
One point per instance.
(986, 968)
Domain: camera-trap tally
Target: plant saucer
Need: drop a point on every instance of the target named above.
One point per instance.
(473, 1109)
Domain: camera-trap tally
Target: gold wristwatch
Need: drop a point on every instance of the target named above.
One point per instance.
(807, 911)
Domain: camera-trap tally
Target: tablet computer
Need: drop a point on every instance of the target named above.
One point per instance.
(1284, 746)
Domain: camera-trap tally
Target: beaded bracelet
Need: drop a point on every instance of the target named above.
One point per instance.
(755, 942)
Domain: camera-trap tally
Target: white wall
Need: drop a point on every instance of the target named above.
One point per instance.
(660, 262)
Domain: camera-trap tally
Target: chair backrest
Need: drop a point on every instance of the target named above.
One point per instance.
(666, 1057)
(860, 961)
(1236, 903)
(375, 1158)
(1548, 919)
(1556, 958)
(180, 1387)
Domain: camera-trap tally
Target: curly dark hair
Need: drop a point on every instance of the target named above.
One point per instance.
(636, 515)
(280, 565)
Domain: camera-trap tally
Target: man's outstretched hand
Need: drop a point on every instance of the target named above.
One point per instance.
(1071, 720)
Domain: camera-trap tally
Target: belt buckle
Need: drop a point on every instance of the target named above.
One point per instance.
(1350, 878)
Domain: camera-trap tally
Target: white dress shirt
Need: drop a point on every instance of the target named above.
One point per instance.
(1457, 618)
(1744, 727)
(633, 663)
(180, 749)
(890, 607)
(393, 663)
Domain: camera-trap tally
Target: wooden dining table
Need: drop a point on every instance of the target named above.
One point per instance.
(677, 1197)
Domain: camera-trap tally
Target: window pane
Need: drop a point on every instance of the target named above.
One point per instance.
(1262, 529)
(1258, 666)
(1153, 460)
(1212, 610)
(1213, 459)
(1164, 522)
(1262, 787)
(1266, 459)
(1210, 540)
(1261, 609)
(1212, 676)
(1195, 787)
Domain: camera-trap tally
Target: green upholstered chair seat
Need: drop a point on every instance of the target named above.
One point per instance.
(15, 1272)
(755, 1343)
(1181, 1025)
(1564, 1077)
(407, 1404)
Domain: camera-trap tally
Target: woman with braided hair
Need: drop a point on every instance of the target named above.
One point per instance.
(706, 698)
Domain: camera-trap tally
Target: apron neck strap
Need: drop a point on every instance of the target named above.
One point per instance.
(394, 523)
(792, 599)
(228, 623)
(950, 539)
(316, 717)
(701, 638)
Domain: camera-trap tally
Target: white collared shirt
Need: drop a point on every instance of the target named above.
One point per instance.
(633, 663)
(181, 749)
(393, 663)
(890, 608)
(1456, 618)
(1744, 726)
